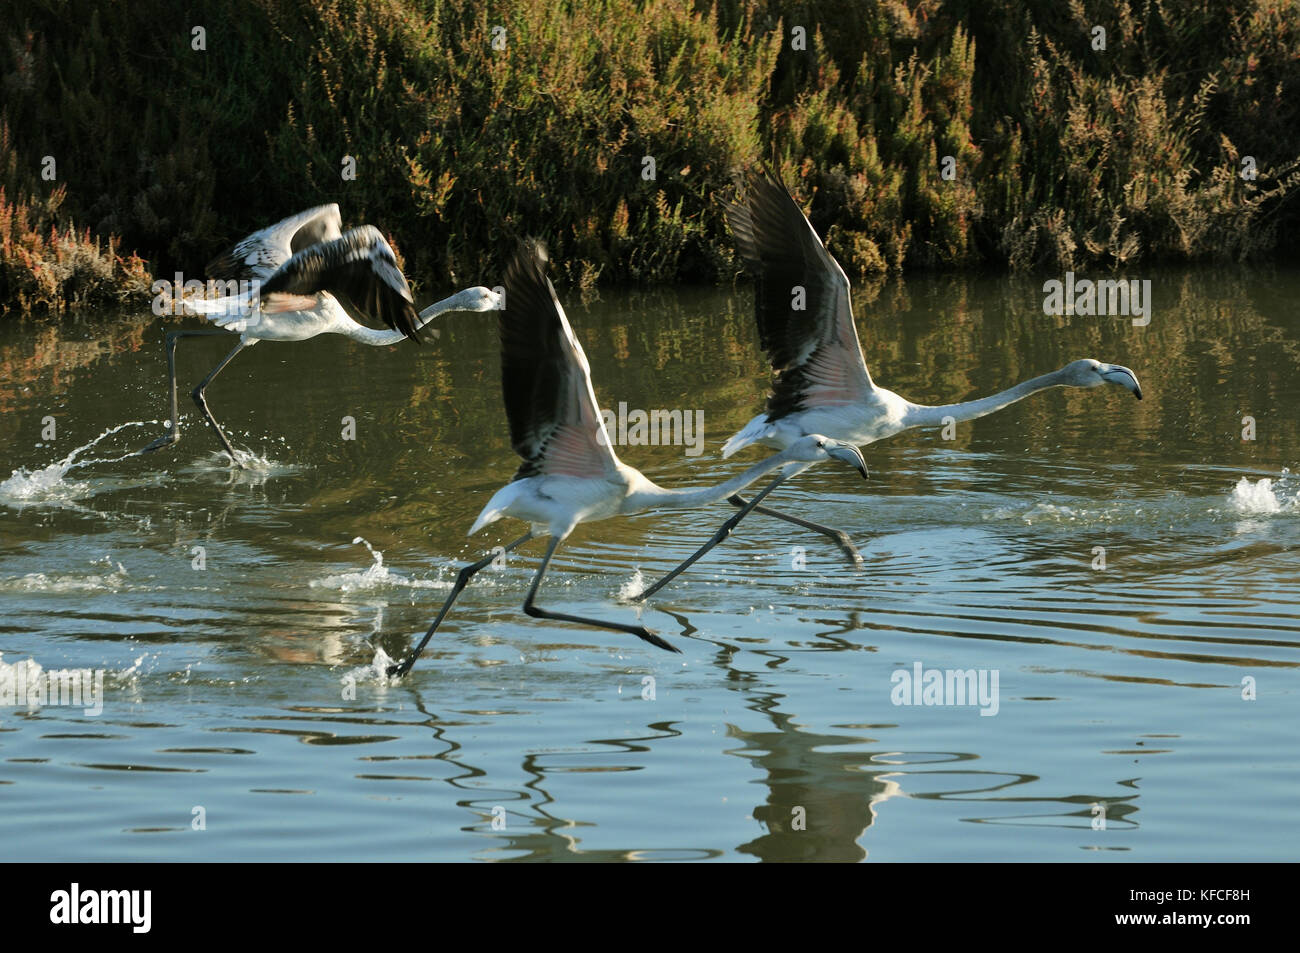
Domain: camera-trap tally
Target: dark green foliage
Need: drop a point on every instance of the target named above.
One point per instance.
(1065, 156)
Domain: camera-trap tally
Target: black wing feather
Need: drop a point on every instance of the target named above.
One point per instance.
(360, 270)
(532, 362)
(545, 379)
(782, 253)
(261, 253)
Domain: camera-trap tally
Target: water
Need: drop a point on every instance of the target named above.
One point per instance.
(246, 714)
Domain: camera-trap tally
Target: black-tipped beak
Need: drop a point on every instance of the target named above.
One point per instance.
(846, 453)
(1124, 377)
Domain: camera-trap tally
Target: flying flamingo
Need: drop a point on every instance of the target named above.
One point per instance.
(307, 275)
(570, 473)
(821, 383)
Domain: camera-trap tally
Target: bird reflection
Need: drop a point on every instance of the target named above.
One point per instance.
(824, 791)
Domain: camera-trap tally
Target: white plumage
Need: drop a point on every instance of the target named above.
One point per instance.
(305, 276)
(570, 473)
(820, 381)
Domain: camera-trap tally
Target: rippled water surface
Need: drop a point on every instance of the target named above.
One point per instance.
(244, 716)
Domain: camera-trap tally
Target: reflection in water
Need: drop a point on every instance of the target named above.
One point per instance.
(819, 802)
(774, 738)
(818, 806)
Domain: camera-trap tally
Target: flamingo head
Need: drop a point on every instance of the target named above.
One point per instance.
(814, 448)
(480, 299)
(1090, 373)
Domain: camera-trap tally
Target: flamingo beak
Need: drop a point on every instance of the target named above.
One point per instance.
(1124, 377)
(847, 453)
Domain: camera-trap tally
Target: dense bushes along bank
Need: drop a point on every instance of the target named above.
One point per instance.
(136, 125)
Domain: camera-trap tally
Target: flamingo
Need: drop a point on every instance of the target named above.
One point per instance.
(307, 275)
(821, 383)
(570, 473)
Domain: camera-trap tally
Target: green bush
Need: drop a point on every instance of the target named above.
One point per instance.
(1064, 155)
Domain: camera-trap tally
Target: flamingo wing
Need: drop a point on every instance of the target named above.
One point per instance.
(359, 269)
(261, 253)
(555, 423)
(802, 302)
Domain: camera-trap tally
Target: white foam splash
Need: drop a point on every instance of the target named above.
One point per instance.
(253, 469)
(30, 668)
(1047, 513)
(134, 669)
(632, 588)
(257, 462)
(253, 461)
(30, 672)
(376, 671)
(40, 582)
(46, 485)
(1262, 496)
(375, 576)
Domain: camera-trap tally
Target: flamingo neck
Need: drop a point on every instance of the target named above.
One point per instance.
(920, 415)
(365, 335)
(653, 496)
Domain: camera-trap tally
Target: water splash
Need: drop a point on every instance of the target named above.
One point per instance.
(251, 460)
(375, 576)
(632, 588)
(254, 468)
(1265, 496)
(47, 485)
(1052, 513)
(376, 671)
(66, 582)
(26, 672)
(1262, 497)
(25, 675)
